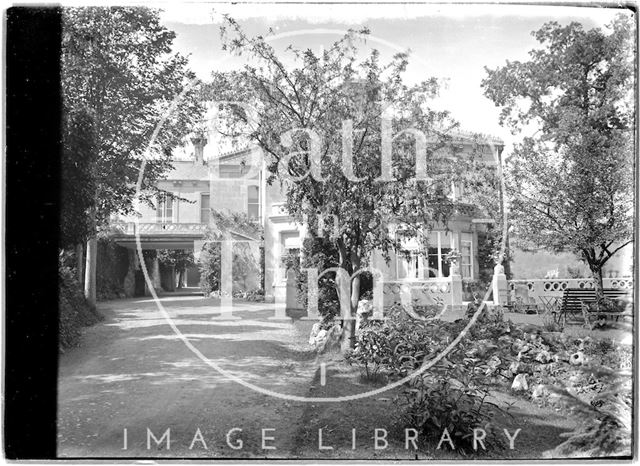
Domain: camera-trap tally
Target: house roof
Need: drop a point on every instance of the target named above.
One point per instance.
(188, 170)
(457, 136)
(235, 154)
(469, 136)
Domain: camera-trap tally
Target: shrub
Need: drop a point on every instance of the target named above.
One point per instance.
(606, 421)
(322, 254)
(112, 265)
(550, 325)
(209, 266)
(451, 393)
(448, 397)
(74, 311)
(244, 264)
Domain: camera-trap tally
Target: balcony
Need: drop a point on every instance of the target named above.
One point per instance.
(156, 229)
(158, 235)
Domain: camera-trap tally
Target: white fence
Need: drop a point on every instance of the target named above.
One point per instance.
(555, 287)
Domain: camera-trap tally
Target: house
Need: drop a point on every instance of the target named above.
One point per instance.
(236, 182)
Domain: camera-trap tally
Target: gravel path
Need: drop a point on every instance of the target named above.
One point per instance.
(132, 372)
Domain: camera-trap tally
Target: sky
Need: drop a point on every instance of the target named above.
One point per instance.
(451, 42)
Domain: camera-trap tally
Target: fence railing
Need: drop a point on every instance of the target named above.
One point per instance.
(556, 286)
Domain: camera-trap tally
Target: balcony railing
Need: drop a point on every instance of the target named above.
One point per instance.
(130, 228)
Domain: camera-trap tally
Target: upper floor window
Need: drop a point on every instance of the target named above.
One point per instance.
(253, 202)
(466, 251)
(165, 209)
(205, 208)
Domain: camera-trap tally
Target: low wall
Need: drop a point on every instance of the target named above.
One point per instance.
(555, 287)
(436, 291)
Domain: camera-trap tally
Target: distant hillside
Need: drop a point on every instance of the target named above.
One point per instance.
(537, 264)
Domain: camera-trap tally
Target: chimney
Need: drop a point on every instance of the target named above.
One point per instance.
(198, 145)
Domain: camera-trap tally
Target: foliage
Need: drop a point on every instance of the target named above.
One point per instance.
(606, 421)
(245, 262)
(452, 394)
(255, 295)
(574, 272)
(549, 324)
(571, 183)
(181, 259)
(77, 188)
(316, 94)
(604, 304)
(452, 257)
(209, 266)
(474, 289)
(489, 247)
(74, 310)
(321, 254)
(117, 61)
(113, 263)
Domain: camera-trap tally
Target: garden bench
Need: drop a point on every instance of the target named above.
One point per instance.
(576, 301)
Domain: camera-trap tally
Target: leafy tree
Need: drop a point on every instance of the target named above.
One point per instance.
(117, 66)
(180, 259)
(570, 183)
(318, 93)
(78, 152)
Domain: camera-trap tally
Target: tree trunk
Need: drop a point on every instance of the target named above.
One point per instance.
(349, 325)
(90, 276)
(180, 275)
(595, 266)
(80, 262)
(596, 271)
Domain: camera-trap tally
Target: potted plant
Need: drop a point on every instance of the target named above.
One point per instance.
(453, 259)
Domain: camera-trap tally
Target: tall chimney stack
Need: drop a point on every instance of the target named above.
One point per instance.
(198, 145)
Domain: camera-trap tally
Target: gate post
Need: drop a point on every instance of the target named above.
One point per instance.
(500, 286)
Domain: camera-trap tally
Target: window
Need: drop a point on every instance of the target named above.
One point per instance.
(410, 265)
(164, 211)
(413, 265)
(433, 262)
(466, 251)
(205, 209)
(438, 267)
(253, 202)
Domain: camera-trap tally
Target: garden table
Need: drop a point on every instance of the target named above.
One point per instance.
(551, 305)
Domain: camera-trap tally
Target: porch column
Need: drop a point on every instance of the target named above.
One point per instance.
(226, 281)
(155, 273)
(130, 278)
(281, 301)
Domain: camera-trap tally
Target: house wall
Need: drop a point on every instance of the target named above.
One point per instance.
(279, 232)
(187, 211)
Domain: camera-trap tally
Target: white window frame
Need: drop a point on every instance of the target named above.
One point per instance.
(471, 263)
(258, 202)
(161, 209)
(423, 261)
(204, 193)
